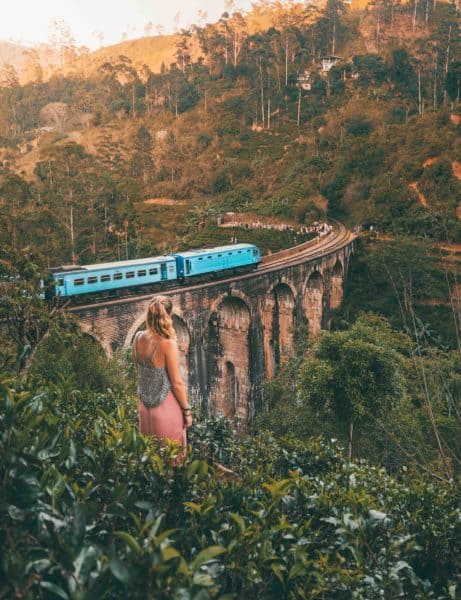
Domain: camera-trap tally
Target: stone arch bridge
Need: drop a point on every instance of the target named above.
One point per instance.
(234, 333)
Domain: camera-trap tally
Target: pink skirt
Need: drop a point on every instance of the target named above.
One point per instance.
(164, 422)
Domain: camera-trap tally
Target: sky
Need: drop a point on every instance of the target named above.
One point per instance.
(29, 21)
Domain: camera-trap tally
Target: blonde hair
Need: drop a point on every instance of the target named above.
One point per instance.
(159, 318)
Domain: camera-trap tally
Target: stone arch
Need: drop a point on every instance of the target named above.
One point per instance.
(313, 301)
(228, 358)
(278, 319)
(233, 293)
(137, 325)
(336, 286)
(89, 330)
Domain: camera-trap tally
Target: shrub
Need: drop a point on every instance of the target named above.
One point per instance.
(358, 125)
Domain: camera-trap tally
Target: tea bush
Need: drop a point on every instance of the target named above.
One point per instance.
(91, 509)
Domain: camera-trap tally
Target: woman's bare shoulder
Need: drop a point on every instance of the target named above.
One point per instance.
(168, 344)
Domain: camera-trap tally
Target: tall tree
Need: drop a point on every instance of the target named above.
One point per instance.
(331, 26)
(354, 376)
(142, 160)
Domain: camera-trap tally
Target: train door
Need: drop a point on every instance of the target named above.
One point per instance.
(163, 271)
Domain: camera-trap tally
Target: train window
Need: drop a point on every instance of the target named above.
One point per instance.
(153, 271)
(210, 257)
(201, 258)
(171, 268)
(105, 278)
(255, 252)
(142, 273)
(129, 275)
(118, 276)
(187, 266)
(92, 280)
(79, 281)
(229, 253)
(59, 282)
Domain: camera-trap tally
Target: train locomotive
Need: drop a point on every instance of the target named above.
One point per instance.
(79, 283)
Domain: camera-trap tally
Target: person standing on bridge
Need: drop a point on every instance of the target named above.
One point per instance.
(163, 408)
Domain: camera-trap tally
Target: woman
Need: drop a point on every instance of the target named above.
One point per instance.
(163, 407)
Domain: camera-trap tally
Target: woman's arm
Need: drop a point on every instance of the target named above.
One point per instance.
(172, 364)
(134, 353)
(177, 383)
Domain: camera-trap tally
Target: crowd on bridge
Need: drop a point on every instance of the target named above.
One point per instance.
(231, 220)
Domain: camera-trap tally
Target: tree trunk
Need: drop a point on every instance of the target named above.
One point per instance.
(299, 107)
(333, 44)
(262, 93)
(419, 93)
(286, 62)
(351, 440)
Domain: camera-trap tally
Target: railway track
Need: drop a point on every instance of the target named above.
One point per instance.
(339, 237)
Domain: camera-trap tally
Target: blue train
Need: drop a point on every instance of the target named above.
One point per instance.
(155, 273)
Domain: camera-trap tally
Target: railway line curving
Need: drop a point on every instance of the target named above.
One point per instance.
(339, 237)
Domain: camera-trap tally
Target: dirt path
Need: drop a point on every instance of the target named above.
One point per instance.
(165, 202)
(421, 197)
(456, 166)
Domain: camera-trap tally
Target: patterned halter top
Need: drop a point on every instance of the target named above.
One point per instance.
(153, 382)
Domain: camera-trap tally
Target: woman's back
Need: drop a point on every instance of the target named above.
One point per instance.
(153, 380)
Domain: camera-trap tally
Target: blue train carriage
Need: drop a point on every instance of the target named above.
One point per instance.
(235, 258)
(107, 278)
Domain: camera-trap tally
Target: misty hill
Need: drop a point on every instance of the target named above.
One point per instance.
(12, 54)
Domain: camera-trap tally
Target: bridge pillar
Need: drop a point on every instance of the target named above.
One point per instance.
(336, 291)
(228, 359)
(278, 318)
(313, 302)
(267, 319)
(183, 339)
(286, 317)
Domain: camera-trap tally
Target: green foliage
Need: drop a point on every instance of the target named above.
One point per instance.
(142, 162)
(402, 73)
(25, 317)
(358, 125)
(453, 80)
(81, 362)
(389, 278)
(91, 508)
(371, 68)
(354, 375)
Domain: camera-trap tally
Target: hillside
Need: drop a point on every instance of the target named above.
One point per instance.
(370, 139)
